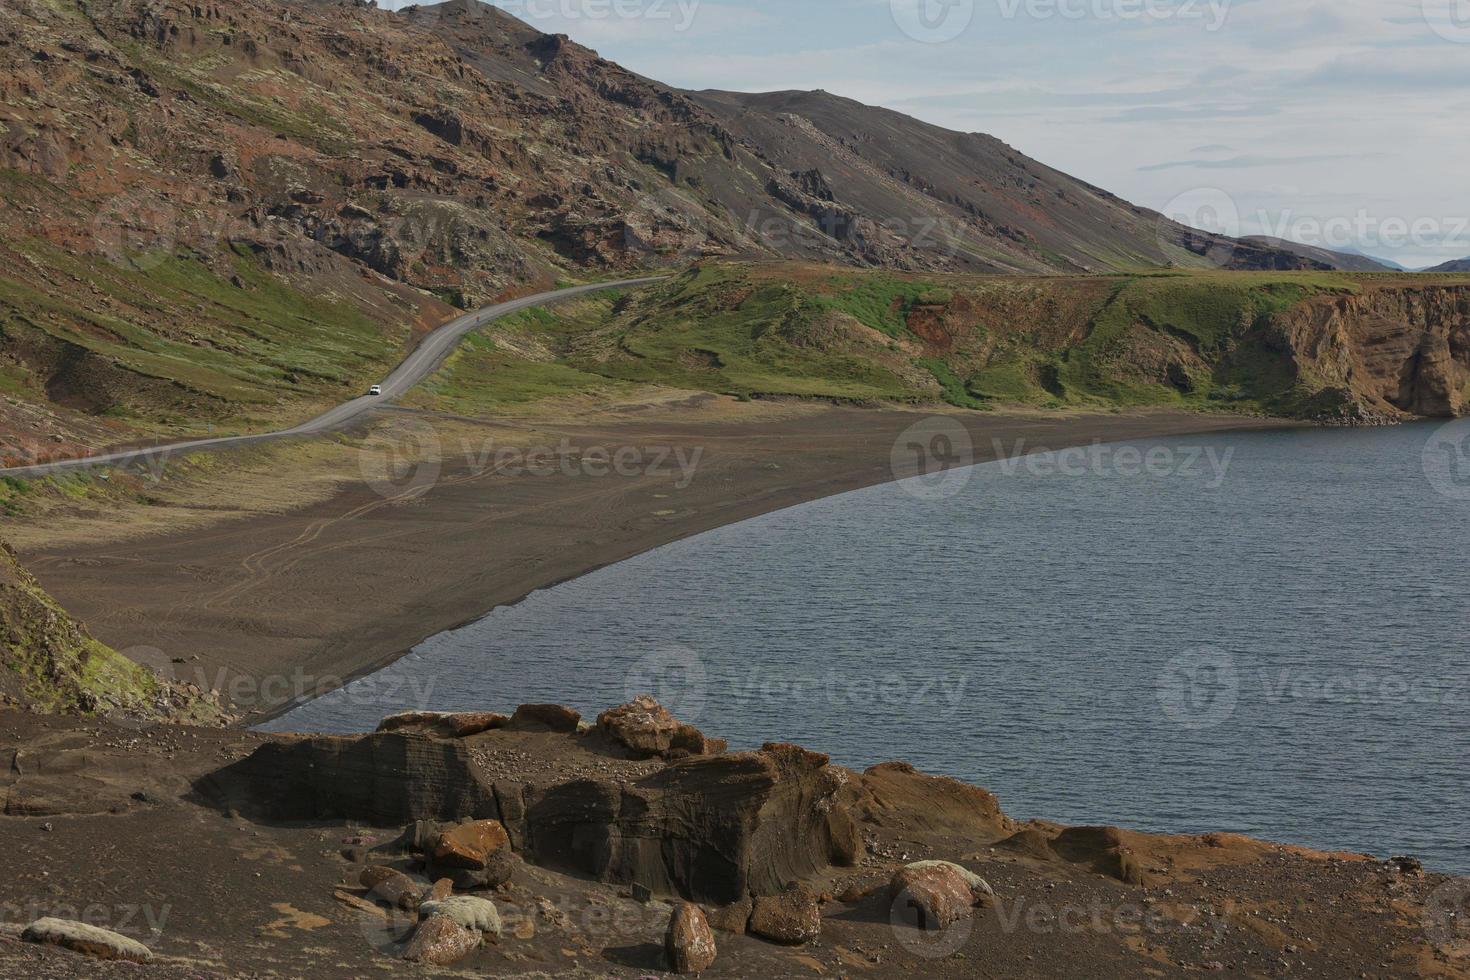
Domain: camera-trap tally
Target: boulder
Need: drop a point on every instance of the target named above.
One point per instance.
(476, 914)
(438, 891)
(443, 724)
(545, 718)
(689, 943)
(792, 917)
(440, 941)
(936, 891)
(643, 725)
(88, 940)
(391, 886)
(469, 845)
(730, 918)
(498, 869)
(419, 837)
(979, 888)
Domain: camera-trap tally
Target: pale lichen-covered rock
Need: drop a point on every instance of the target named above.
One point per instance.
(689, 943)
(477, 914)
(89, 940)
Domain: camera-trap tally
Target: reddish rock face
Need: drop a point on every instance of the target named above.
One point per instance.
(439, 941)
(689, 942)
(792, 917)
(469, 845)
(939, 895)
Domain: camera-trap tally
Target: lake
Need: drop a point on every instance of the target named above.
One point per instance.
(1258, 632)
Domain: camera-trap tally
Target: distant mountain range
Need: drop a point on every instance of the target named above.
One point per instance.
(1458, 265)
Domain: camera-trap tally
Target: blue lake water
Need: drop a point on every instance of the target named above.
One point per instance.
(1260, 632)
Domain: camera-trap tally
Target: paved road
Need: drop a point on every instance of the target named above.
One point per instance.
(424, 360)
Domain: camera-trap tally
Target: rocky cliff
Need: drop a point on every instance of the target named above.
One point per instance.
(1385, 353)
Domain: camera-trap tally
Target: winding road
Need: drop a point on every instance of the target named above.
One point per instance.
(423, 361)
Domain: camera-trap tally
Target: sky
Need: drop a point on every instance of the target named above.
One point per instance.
(1339, 124)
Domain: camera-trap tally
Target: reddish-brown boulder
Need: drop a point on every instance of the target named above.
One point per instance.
(643, 725)
(689, 943)
(792, 917)
(647, 728)
(937, 892)
(469, 845)
(440, 941)
(439, 891)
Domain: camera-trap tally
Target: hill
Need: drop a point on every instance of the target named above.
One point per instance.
(1458, 265)
(1325, 346)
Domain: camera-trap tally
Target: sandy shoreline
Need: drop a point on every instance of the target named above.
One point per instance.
(277, 608)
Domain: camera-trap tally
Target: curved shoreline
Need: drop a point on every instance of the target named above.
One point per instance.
(1168, 425)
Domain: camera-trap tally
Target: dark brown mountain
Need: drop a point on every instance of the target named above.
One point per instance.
(1345, 261)
(455, 148)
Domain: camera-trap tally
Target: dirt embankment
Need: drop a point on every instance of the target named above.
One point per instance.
(235, 854)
